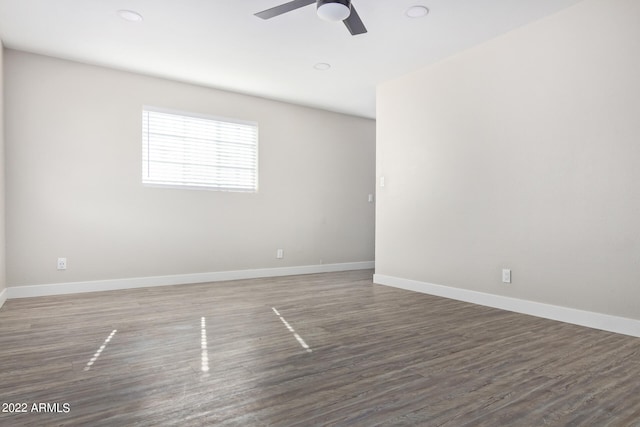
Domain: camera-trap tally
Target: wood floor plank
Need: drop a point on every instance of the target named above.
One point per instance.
(374, 356)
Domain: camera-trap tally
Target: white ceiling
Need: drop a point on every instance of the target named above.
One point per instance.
(219, 43)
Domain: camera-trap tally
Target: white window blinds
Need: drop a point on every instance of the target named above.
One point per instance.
(199, 152)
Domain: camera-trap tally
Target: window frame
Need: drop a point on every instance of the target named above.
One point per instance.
(211, 186)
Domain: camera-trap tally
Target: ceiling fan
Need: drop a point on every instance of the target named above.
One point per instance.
(329, 10)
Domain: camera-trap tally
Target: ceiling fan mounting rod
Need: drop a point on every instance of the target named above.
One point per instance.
(342, 2)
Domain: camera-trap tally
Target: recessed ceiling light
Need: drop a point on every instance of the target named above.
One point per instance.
(130, 15)
(322, 66)
(417, 12)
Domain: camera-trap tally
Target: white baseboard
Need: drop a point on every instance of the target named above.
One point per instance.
(178, 279)
(620, 325)
(3, 297)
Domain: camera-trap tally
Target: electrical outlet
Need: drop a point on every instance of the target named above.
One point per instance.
(280, 254)
(506, 275)
(62, 263)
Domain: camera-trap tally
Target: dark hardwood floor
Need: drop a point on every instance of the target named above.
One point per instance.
(325, 349)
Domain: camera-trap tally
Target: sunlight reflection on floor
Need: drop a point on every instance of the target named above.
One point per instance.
(102, 347)
(293, 331)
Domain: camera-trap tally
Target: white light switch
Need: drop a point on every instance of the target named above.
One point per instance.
(370, 198)
(382, 181)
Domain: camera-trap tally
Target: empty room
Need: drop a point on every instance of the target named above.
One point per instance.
(320, 213)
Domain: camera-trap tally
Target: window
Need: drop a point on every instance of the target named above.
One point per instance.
(193, 151)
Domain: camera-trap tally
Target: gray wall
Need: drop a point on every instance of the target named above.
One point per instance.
(3, 276)
(521, 153)
(73, 150)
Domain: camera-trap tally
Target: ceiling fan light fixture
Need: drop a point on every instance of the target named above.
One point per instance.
(334, 10)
